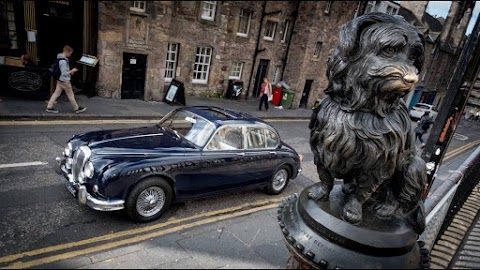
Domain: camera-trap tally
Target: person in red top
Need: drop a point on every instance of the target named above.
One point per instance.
(265, 93)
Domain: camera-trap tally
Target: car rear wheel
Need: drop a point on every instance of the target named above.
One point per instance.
(279, 181)
(149, 199)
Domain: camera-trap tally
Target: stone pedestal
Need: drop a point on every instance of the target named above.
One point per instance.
(317, 237)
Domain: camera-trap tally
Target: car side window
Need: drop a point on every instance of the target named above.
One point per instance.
(255, 138)
(272, 139)
(227, 138)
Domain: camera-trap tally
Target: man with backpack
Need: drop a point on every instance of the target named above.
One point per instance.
(423, 126)
(62, 73)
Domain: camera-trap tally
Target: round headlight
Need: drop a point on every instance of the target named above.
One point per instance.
(88, 170)
(68, 150)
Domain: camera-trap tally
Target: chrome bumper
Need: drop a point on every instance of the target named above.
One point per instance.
(80, 191)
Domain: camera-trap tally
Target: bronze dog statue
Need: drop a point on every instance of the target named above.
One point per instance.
(362, 132)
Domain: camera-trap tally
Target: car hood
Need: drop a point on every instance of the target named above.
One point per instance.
(143, 138)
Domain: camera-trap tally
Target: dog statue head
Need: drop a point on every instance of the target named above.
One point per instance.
(376, 62)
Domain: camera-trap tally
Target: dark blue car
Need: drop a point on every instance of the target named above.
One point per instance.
(192, 152)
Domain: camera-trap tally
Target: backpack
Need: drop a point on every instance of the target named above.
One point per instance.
(426, 125)
(55, 68)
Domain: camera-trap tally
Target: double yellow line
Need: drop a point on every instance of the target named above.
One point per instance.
(140, 234)
(461, 149)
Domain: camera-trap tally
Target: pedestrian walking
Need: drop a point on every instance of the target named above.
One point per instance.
(63, 81)
(423, 126)
(265, 93)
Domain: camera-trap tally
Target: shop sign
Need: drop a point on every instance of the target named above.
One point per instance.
(25, 81)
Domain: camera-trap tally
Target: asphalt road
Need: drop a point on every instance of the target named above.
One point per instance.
(37, 211)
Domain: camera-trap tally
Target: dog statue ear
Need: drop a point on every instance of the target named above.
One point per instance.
(351, 31)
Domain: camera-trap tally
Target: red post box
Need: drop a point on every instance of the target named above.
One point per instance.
(277, 96)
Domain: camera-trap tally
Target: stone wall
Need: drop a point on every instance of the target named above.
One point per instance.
(124, 31)
(315, 25)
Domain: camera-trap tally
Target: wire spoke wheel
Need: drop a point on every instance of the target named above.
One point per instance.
(279, 179)
(150, 201)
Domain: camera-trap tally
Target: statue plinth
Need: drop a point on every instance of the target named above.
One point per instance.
(318, 237)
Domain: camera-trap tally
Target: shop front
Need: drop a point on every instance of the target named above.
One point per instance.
(40, 29)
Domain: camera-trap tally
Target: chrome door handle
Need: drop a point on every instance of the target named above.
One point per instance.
(241, 154)
(273, 152)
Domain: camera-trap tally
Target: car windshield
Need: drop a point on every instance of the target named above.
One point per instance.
(190, 126)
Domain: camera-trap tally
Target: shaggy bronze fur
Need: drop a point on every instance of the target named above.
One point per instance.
(362, 132)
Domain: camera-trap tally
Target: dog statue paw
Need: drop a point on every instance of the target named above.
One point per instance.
(319, 192)
(352, 211)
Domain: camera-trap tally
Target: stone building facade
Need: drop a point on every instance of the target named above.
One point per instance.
(142, 45)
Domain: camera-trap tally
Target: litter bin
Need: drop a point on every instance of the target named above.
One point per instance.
(234, 90)
(287, 99)
(277, 96)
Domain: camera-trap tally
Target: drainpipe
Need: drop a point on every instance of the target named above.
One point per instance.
(284, 60)
(257, 51)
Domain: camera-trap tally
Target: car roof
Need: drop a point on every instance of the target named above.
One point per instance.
(221, 116)
(426, 104)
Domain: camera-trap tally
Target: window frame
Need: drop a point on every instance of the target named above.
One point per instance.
(202, 56)
(232, 70)
(134, 8)
(242, 130)
(318, 49)
(276, 74)
(212, 9)
(285, 31)
(328, 7)
(249, 19)
(175, 61)
(270, 38)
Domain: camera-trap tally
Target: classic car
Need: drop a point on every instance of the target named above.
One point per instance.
(192, 152)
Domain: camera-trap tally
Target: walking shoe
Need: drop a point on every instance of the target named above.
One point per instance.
(52, 110)
(80, 109)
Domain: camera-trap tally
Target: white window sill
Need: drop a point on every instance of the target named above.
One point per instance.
(242, 35)
(233, 78)
(200, 81)
(207, 18)
(168, 79)
(268, 38)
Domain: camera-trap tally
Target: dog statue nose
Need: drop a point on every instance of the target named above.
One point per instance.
(410, 78)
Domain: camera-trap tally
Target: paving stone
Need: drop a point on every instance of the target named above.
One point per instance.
(155, 254)
(105, 255)
(275, 253)
(68, 264)
(128, 261)
(219, 248)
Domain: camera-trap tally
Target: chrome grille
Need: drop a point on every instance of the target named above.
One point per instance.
(80, 157)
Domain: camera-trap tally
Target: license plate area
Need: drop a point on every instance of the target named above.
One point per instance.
(70, 188)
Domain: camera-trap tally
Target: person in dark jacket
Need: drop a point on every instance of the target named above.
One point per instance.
(423, 126)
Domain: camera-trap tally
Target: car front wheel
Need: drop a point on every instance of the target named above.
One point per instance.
(279, 181)
(149, 199)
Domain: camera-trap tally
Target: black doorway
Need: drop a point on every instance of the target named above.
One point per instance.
(261, 71)
(306, 93)
(133, 76)
(59, 23)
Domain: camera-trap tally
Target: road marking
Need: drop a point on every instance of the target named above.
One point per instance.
(460, 137)
(135, 239)
(460, 150)
(111, 236)
(22, 164)
(109, 121)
